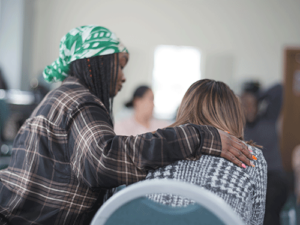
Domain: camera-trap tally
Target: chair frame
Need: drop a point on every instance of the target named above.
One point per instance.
(166, 186)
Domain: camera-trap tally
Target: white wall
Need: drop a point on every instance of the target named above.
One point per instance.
(249, 35)
(11, 44)
(16, 33)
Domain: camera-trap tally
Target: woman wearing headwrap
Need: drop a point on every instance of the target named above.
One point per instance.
(66, 156)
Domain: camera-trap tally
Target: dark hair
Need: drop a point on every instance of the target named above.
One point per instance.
(252, 87)
(138, 93)
(99, 74)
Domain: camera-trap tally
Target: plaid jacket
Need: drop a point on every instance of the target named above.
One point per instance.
(66, 156)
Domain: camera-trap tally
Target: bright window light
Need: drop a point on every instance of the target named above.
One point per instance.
(175, 69)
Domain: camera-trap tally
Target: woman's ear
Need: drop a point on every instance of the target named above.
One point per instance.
(136, 101)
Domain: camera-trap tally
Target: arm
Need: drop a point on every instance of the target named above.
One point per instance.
(102, 159)
(259, 196)
(274, 99)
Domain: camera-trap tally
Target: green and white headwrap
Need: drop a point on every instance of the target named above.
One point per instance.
(82, 42)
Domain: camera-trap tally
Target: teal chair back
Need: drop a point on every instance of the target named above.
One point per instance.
(130, 206)
(145, 211)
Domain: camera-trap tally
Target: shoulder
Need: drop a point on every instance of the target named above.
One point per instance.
(126, 127)
(64, 102)
(257, 153)
(160, 123)
(76, 94)
(125, 123)
(260, 163)
(72, 95)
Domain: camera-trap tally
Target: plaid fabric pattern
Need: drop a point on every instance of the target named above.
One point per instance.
(66, 157)
(211, 141)
(243, 189)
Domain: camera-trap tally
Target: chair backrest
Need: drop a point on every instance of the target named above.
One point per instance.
(130, 206)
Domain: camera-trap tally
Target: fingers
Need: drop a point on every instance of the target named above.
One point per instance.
(235, 150)
(239, 155)
(227, 155)
(240, 146)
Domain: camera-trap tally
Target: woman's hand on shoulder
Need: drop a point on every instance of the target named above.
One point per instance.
(235, 150)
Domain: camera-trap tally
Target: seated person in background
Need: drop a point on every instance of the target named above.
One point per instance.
(262, 111)
(212, 103)
(142, 120)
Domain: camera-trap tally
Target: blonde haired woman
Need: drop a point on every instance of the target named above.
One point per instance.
(212, 103)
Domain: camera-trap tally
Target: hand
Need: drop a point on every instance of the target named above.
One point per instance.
(235, 150)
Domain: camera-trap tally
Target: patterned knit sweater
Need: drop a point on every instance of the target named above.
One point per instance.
(243, 189)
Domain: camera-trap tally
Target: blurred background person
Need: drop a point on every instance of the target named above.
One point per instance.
(3, 84)
(40, 88)
(142, 120)
(262, 111)
(296, 168)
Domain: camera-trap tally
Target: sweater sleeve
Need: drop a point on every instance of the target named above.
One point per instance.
(259, 196)
(102, 159)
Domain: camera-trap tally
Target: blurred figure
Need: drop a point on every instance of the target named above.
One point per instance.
(3, 84)
(262, 110)
(296, 169)
(40, 88)
(142, 120)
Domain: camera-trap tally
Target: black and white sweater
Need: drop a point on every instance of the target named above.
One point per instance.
(243, 189)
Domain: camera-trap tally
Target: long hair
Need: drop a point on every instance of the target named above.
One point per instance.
(99, 74)
(209, 102)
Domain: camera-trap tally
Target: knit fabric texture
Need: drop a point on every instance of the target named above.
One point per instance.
(243, 189)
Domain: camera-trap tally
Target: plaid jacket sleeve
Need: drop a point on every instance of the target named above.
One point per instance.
(102, 159)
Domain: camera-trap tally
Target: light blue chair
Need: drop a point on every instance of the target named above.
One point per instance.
(130, 206)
